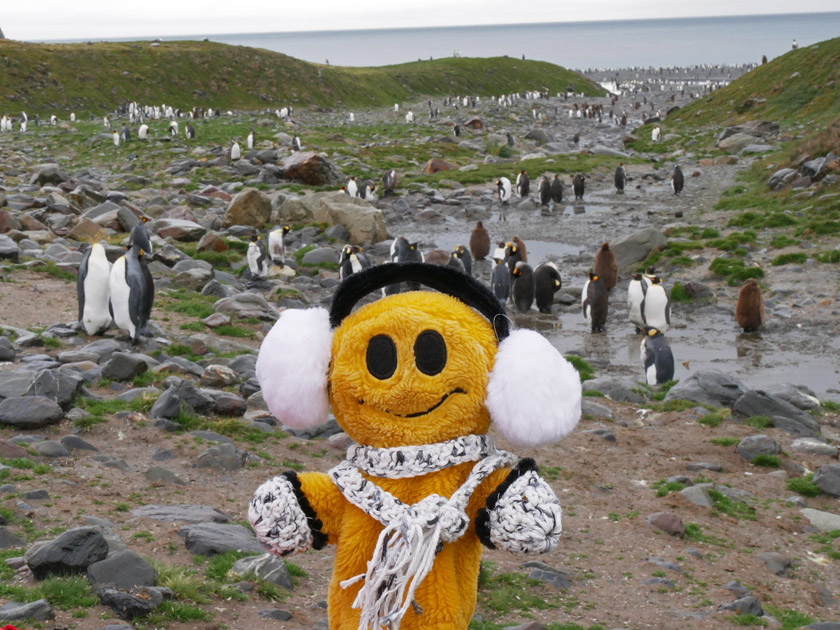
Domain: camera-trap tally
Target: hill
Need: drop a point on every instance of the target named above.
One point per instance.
(97, 76)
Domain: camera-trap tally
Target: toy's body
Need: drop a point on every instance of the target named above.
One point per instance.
(414, 380)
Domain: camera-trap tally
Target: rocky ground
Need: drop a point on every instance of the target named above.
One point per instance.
(712, 505)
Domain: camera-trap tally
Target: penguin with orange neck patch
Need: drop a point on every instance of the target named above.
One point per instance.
(416, 380)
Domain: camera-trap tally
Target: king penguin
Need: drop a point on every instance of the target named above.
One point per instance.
(512, 256)
(677, 180)
(143, 132)
(277, 246)
(140, 236)
(125, 134)
(523, 184)
(547, 282)
(635, 296)
(92, 288)
(500, 281)
(132, 292)
(557, 189)
(257, 259)
(116, 137)
(479, 242)
(352, 260)
(656, 306)
(620, 179)
(504, 189)
(462, 253)
(189, 130)
(749, 310)
(235, 151)
(523, 287)
(352, 187)
(657, 358)
(595, 303)
(606, 266)
(389, 181)
(249, 141)
(544, 191)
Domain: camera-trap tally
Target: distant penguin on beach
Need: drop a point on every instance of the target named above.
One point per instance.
(249, 141)
(92, 289)
(523, 184)
(277, 245)
(479, 242)
(657, 359)
(116, 138)
(190, 131)
(132, 292)
(523, 251)
(547, 282)
(635, 296)
(677, 180)
(557, 189)
(389, 182)
(257, 259)
(504, 190)
(352, 187)
(656, 306)
(500, 280)
(595, 302)
(578, 186)
(620, 179)
(462, 253)
(125, 134)
(749, 310)
(235, 151)
(143, 132)
(544, 191)
(173, 128)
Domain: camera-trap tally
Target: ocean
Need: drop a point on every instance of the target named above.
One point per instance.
(575, 45)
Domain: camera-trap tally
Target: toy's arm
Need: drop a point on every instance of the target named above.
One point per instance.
(522, 514)
(292, 513)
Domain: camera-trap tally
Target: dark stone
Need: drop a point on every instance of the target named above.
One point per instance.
(752, 445)
(215, 538)
(62, 386)
(230, 405)
(30, 412)
(167, 405)
(158, 474)
(222, 457)
(784, 415)
(668, 522)
(39, 610)
(188, 513)
(748, 605)
(827, 479)
(124, 366)
(708, 387)
(276, 613)
(71, 552)
(776, 562)
(267, 567)
(124, 569)
(137, 603)
(75, 443)
(8, 539)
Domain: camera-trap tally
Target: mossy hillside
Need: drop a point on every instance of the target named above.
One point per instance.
(95, 77)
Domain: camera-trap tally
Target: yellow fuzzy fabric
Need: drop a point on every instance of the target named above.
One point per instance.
(365, 407)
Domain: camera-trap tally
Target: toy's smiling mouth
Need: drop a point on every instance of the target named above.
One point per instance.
(417, 414)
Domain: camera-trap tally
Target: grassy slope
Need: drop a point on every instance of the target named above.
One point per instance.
(95, 77)
(812, 96)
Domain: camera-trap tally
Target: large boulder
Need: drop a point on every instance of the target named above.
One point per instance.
(737, 142)
(436, 165)
(72, 552)
(784, 415)
(9, 250)
(48, 174)
(29, 412)
(708, 387)
(179, 229)
(362, 221)
(249, 207)
(313, 169)
(638, 246)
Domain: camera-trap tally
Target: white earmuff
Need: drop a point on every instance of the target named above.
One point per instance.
(293, 366)
(534, 394)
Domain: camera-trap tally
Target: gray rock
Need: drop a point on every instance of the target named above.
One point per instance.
(823, 521)
(186, 513)
(15, 383)
(71, 552)
(124, 366)
(211, 436)
(248, 305)
(615, 389)
(363, 221)
(7, 350)
(218, 376)
(665, 564)
(47, 174)
(193, 279)
(75, 443)
(637, 247)
(752, 445)
(62, 386)
(823, 625)
(103, 348)
(541, 136)
(784, 415)
(10, 540)
(781, 178)
(124, 569)
(320, 255)
(222, 457)
(214, 538)
(179, 229)
(813, 446)
(337, 232)
(799, 396)
(555, 578)
(135, 603)
(748, 605)
(29, 412)
(159, 474)
(167, 405)
(736, 142)
(50, 448)
(668, 522)
(230, 405)
(590, 408)
(266, 567)
(827, 479)
(697, 495)
(708, 387)
(776, 562)
(812, 168)
(9, 250)
(39, 610)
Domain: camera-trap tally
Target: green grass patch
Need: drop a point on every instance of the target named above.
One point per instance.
(219, 565)
(790, 619)
(193, 307)
(64, 593)
(179, 612)
(798, 258)
(725, 441)
(759, 422)
(664, 487)
(780, 242)
(663, 390)
(506, 592)
(584, 368)
(803, 485)
(88, 422)
(768, 461)
(593, 393)
(679, 294)
(234, 331)
(749, 620)
(734, 270)
(830, 257)
(715, 418)
(694, 533)
(735, 509)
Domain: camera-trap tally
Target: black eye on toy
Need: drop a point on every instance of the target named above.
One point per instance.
(430, 352)
(381, 357)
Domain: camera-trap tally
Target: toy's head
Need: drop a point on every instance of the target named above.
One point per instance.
(418, 367)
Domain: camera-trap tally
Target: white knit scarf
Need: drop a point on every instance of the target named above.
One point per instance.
(412, 535)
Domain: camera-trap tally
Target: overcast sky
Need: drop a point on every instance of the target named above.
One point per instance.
(95, 19)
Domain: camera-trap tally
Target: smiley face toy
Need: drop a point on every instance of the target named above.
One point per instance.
(416, 380)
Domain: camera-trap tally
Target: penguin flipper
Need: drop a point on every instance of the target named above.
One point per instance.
(668, 312)
(80, 286)
(587, 309)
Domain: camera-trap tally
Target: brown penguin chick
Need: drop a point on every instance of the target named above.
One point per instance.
(606, 266)
(479, 242)
(522, 250)
(749, 311)
(437, 257)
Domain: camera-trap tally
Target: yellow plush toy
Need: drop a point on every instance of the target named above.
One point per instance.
(415, 379)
